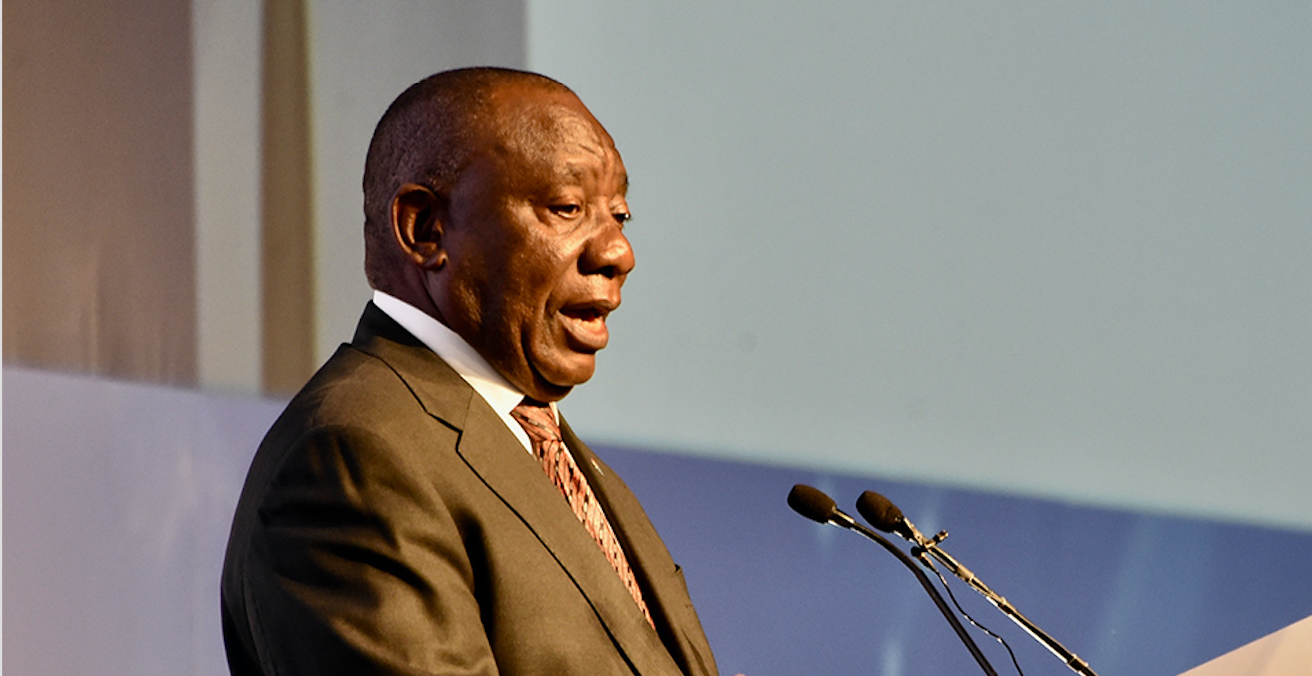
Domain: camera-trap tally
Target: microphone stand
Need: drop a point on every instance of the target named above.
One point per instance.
(930, 546)
(884, 515)
(815, 505)
(933, 593)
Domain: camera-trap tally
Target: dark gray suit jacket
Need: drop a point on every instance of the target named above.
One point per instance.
(391, 524)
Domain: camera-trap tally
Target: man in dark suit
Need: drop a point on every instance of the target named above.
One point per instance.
(419, 508)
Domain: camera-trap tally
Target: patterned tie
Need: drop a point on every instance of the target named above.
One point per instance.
(540, 424)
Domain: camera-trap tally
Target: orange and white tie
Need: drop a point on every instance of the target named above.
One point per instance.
(540, 424)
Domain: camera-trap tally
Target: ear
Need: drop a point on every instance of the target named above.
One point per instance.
(418, 218)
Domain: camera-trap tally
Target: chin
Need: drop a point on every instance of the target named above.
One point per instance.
(564, 376)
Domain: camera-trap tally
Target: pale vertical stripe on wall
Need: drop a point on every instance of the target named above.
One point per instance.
(288, 257)
(226, 39)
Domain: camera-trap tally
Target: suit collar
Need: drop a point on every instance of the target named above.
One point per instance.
(455, 351)
(436, 386)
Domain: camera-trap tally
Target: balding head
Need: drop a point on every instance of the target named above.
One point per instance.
(427, 137)
(495, 203)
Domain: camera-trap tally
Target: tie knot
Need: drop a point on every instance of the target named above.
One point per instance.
(536, 419)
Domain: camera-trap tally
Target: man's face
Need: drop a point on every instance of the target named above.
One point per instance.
(537, 252)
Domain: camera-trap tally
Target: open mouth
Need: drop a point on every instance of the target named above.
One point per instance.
(586, 326)
(586, 314)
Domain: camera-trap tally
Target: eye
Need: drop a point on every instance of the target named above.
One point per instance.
(566, 210)
(622, 217)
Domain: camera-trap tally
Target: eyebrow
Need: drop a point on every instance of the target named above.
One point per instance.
(576, 173)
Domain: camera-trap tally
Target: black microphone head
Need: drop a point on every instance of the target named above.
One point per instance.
(812, 503)
(881, 513)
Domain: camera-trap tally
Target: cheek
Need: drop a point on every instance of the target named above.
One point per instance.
(539, 284)
(465, 300)
(532, 289)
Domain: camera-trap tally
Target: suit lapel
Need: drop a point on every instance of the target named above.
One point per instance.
(518, 479)
(498, 458)
(662, 582)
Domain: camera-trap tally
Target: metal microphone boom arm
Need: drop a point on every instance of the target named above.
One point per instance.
(816, 506)
(884, 515)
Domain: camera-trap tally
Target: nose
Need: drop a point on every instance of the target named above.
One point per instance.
(608, 253)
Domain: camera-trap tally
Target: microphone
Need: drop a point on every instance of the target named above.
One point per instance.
(881, 513)
(815, 505)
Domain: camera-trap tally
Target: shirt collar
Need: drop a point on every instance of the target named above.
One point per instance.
(460, 356)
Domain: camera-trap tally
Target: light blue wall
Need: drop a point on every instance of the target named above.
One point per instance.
(1056, 249)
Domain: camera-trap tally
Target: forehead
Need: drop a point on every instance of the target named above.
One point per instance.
(553, 132)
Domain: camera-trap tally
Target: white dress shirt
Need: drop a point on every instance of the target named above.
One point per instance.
(459, 355)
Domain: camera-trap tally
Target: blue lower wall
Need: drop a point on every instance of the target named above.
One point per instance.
(115, 519)
(1133, 594)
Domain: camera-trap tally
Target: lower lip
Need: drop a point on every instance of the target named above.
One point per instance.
(587, 334)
